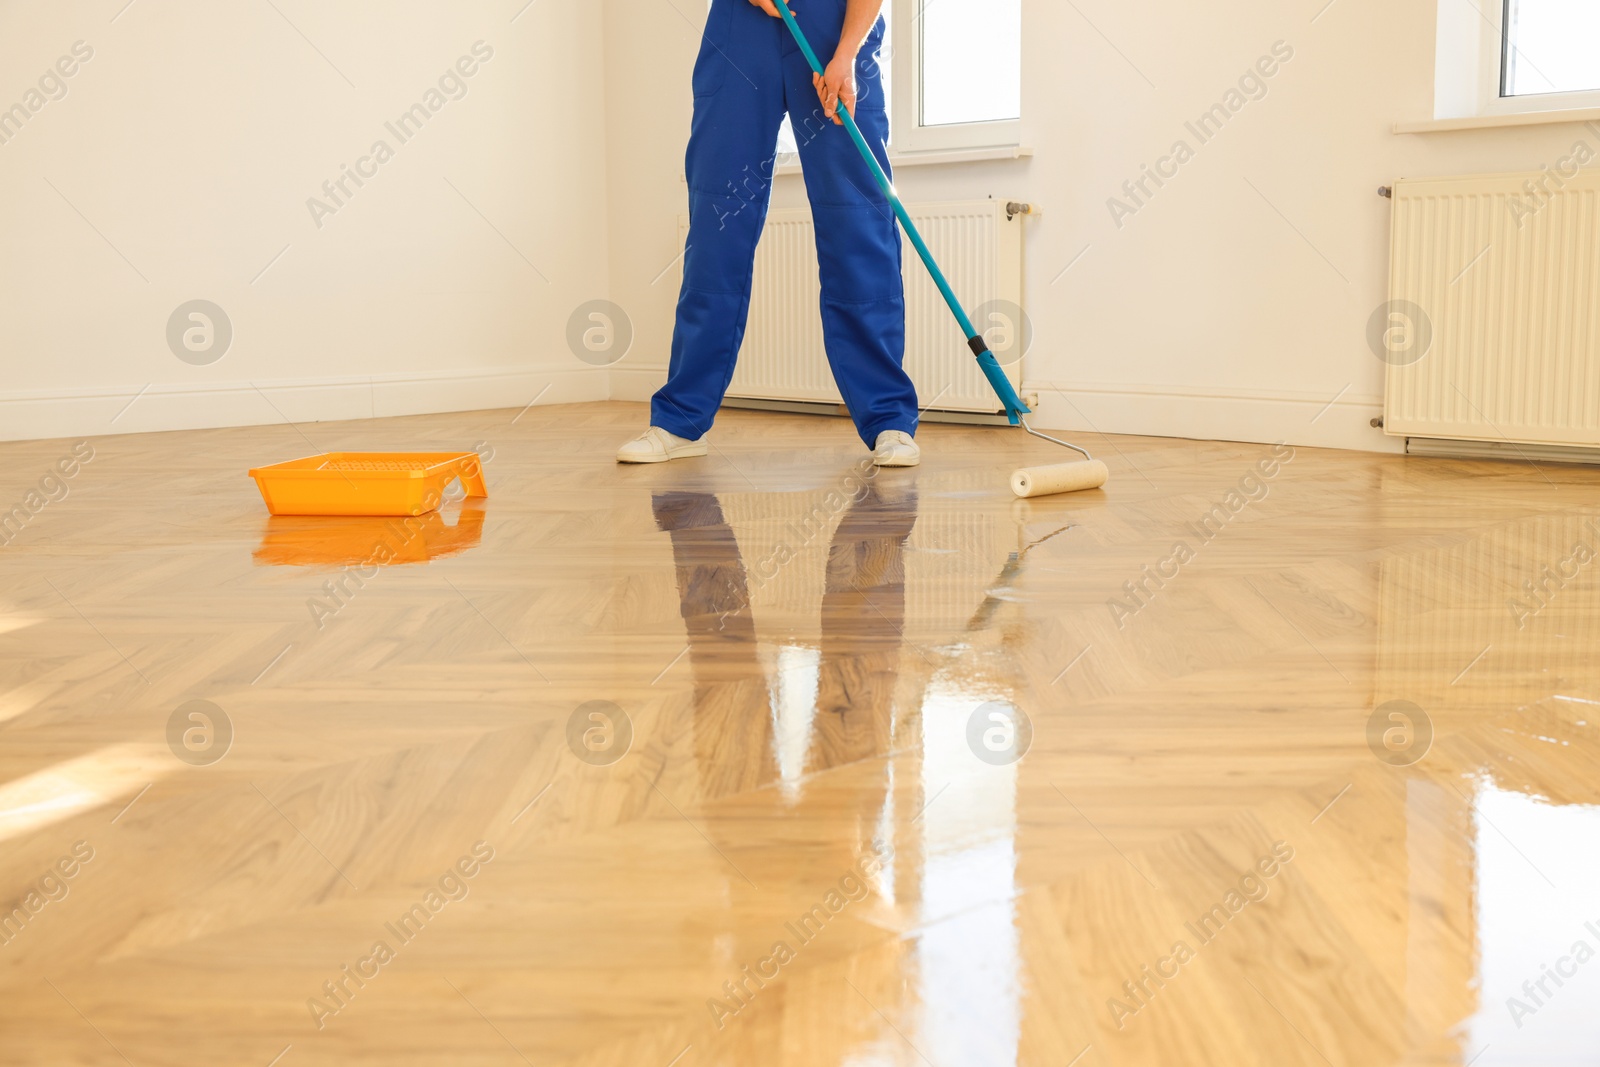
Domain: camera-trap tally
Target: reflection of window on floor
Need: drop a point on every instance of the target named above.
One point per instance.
(968, 956)
(794, 708)
(1529, 929)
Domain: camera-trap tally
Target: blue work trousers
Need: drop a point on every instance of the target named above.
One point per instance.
(749, 74)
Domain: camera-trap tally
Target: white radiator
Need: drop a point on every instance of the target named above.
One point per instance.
(978, 248)
(1509, 284)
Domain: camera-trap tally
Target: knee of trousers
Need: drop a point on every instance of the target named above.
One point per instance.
(859, 252)
(865, 337)
(723, 231)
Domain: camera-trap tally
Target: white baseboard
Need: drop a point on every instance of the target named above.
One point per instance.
(1316, 421)
(1171, 411)
(1308, 419)
(197, 406)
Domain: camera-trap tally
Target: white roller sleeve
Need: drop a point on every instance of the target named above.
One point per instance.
(1059, 478)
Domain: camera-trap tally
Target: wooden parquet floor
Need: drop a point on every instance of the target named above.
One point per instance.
(1259, 756)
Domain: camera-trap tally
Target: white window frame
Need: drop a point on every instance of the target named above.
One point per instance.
(908, 134)
(1471, 66)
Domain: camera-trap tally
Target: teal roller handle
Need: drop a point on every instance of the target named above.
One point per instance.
(1014, 406)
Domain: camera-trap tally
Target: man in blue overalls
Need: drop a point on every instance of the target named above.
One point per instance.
(749, 74)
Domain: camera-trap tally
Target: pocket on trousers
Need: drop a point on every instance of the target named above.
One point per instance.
(711, 67)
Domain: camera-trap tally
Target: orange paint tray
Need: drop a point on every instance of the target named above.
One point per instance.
(367, 483)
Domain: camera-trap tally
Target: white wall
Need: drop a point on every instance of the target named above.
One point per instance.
(193, 138)
(1234, 304)
(179, 164)
(649, 52)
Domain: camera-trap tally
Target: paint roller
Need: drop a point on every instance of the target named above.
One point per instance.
(1087, 473)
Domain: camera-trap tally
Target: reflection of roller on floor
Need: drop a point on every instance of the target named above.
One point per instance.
(1013, 565)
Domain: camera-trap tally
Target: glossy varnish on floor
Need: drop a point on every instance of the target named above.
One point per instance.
(715, 762)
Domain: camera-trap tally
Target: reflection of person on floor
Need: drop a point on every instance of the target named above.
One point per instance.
(863, 609)
(863, 621)
(752, 730)
(732, 720)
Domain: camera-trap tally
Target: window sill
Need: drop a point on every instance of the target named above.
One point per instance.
(1485, 122)
(790, 164)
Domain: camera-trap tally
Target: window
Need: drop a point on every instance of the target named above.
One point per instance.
(969, 70)
(1504, 57)
(959, 85)
(1550, 46)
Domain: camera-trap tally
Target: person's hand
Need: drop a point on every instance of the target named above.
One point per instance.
(768, 7)
(837, 85)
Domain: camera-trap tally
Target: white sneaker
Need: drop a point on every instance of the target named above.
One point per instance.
(656, 445)
(896, 448)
